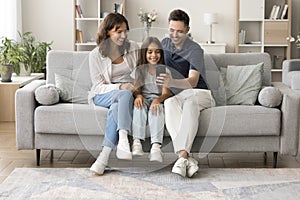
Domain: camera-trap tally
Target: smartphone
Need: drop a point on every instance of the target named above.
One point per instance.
(160, 69)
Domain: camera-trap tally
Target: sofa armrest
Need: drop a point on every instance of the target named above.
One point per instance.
(290, 109)
(288, 66)
(25, 105)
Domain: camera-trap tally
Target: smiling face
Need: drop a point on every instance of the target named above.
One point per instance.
(177, 32)
(118, 34)
(153, 54)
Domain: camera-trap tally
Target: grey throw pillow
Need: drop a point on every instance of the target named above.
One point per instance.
(70, 90)
(270, 97)
(242, 83)
(47, 94)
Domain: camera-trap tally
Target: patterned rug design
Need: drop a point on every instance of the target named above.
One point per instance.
(209, 183)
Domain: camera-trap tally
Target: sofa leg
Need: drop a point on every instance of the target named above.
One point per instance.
(265, 158)
(275, 155)
(38, 157)
(51, 156)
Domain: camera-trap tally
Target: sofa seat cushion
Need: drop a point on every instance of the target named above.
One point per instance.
(240, 120)
(67, 118)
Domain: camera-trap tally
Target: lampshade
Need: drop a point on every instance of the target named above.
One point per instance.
(210, 18)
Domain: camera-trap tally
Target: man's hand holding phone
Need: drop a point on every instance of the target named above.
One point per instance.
(163, 77)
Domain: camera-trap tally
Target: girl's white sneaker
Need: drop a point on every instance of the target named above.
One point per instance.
(137, 149)
(156, 154)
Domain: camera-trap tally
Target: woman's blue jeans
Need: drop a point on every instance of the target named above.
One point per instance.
(119, 116)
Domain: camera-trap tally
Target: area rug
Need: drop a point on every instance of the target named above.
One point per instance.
(209, 183)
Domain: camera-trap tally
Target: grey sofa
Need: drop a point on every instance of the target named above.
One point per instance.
(232, 128)
(291, 74)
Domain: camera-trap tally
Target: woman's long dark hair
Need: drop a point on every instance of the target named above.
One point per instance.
(111, 21)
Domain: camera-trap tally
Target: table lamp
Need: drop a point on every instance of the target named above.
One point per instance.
(210, 19)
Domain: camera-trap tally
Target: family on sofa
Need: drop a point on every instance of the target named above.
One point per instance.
(111, 63)
(252, 114)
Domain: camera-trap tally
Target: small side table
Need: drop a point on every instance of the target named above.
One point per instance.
(7, 94)
(213, 48)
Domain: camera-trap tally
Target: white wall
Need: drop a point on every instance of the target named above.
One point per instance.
(52, 20)
(222, 32)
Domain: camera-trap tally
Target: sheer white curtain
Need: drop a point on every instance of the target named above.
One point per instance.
(10, 18)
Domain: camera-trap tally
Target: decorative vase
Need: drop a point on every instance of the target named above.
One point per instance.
(147, 27)
(24, 71)
(6, 72)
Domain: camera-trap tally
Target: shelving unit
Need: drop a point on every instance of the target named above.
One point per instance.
(262, 33)
(87, 25)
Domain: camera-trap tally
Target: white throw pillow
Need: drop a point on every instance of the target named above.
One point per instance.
(70, 90)
(242, 83)
(47, 94)
(270, 97)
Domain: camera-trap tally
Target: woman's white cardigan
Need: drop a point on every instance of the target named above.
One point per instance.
(101, 69)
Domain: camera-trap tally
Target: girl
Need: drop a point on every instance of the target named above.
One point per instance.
(111, 64)
(148, 99)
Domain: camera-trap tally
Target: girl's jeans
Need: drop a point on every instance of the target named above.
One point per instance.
(156, 123)
(119, 116)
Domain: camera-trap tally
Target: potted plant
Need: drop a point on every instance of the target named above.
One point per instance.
(11, 54)
(35, 53)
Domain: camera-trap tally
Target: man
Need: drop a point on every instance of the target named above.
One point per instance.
(185, 59)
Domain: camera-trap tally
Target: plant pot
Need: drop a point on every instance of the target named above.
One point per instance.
(6, 72)
(24, 71)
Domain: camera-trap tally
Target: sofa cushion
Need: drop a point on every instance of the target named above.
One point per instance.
(270, 97)
(67, 118)
(70, 90)
(242, 83)
(47, 94)
(240, 120)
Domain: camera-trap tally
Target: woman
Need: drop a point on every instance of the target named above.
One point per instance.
(111, 64)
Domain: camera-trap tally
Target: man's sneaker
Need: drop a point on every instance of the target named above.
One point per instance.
(180, 166)
(98, 168)
(137, 149)
(192, 167)
(156, 154)
(123, 151)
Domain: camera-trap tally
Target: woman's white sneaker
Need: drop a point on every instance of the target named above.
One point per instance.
(123, 151)
(97, 167)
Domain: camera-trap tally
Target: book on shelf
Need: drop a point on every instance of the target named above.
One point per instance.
(278, 12)
(79, 11)
(274, 17)
(284, 11)
(79, 37)
(242, 36)
(273, 12)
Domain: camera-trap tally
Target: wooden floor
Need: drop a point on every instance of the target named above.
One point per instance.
(11, 158)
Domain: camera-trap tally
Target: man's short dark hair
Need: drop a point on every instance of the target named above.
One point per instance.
(179, 15)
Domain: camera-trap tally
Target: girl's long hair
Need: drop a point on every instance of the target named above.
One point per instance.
(143, 51)
(111, 21)
(142, 61)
